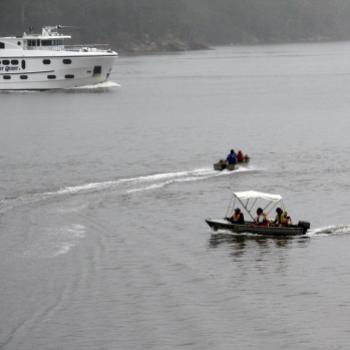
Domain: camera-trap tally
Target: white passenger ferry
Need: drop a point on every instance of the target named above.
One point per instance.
(43, 62)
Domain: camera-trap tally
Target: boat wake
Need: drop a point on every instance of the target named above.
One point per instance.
(163, 180)
(329, 230)
(325, 231)
(100, 86)
(86, 88)
(55, 241)
(146, 182)
(222, 233)
(130, 185)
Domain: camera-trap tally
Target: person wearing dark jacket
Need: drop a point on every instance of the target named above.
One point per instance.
(237, 217)
(232, 158)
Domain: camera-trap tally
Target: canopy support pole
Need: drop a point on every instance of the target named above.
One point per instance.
(273, 205)
(255, 200)
(230, 205)
(245, 207)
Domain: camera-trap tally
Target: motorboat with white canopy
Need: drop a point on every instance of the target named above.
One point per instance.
(249, 202)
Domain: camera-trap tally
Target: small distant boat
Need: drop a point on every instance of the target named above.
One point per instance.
(249, 202)
(223, 164)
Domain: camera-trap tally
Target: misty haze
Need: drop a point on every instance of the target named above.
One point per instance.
(146, 25)
(118, 118)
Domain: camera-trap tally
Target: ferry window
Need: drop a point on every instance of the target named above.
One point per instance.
(23, 64)
(46, 61)
(19, 43)
(60, 42)
(51, 77)
(24, 77)
(67, 61)
(14, 62)
(2, 45)
(69, 76)
(97, 70)
(7, 77)
(46, 42)
(5, 62)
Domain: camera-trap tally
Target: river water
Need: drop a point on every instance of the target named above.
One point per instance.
(104, 192)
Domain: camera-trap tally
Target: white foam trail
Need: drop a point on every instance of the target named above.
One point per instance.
(195, 175)
(104, 85)
(329, 230)
(156, 177)
(83, 188)
(148, 188)
(128, 185)
(19, 91)
(223, 232)
(64, 249)
(99, 186)
(93, 186)
(166, 183)
(157, 180)
(65, 239)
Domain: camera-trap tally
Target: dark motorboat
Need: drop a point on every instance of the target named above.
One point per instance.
(251, 227)
(223, 164)
(249, 200)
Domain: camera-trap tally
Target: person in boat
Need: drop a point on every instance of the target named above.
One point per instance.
(232, 158)
(240, 156)
(261, 218)
(282, 217)
(237, 217)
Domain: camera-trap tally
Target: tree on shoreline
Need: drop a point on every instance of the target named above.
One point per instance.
(125, 22)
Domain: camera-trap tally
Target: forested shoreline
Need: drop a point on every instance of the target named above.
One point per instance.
(171, 25)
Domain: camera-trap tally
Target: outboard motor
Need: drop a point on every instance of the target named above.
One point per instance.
(304, 225)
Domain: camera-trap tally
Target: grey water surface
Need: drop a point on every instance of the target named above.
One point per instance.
(103, 196)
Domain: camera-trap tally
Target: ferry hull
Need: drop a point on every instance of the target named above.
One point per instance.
(83, 70)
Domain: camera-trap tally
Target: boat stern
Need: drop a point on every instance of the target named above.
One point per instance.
(305, 225)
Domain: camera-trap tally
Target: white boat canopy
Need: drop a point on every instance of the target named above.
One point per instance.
(257, 195)
(251, 200)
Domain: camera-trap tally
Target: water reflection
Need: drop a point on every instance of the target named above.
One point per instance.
(242, 243)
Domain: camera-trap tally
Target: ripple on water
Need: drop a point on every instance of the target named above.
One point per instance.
(53, 242)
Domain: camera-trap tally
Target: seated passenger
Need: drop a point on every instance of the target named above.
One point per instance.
(232, 158)
(261, 218)
(237, 217)
(282, 217)
(240, 156)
